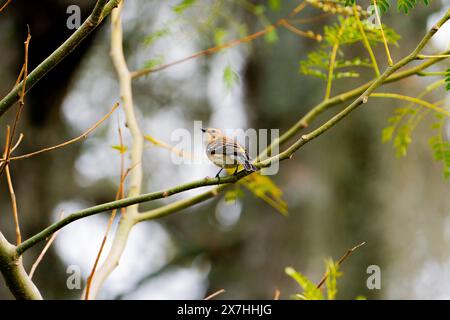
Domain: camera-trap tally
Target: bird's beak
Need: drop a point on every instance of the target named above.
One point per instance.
(203, 130)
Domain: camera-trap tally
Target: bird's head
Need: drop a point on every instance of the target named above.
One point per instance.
(212, 133)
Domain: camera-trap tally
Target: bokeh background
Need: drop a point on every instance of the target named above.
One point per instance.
(342, 189)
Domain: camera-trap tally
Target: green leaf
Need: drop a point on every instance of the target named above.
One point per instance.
(265, 189)
(219, 36)
(275, 5)
(402, 140)
(310, 290)
(183, 6)
(383, 5)
(406, 5)
(441, 147)
(271, 36)
(387, 134)
(121, 149)
(331, 282)
(234, 194)
(154, 36)
(152, 63)
(230, 77)
(258, 10)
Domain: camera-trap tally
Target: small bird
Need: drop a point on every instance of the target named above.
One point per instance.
(226, 152)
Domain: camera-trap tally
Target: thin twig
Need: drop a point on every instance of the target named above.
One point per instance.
(17, 144)
(386, 47)
(426, 56)
(66, 143)
(306, 34)
(24, 73)
(44, 250)
(251, 37)
(11, 191)
(178, 152)
(5, 5)
(311, 19)
(431, 73)
(14, 205)
(233, 43)
(333, 60)
(277, 295)
(119, 195)
(297, 9)
(421, 102)
(366, 41)
(215, 294)
(19, 78)
(342, 259)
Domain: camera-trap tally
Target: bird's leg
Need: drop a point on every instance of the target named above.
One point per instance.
(235, 171)
(218, 173)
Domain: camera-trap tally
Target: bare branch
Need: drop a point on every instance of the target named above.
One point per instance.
(44, 251)
(342, 259)
(215, 294)
(5, 5)
(84, 135)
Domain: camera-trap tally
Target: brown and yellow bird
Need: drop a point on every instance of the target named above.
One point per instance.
(226, 152)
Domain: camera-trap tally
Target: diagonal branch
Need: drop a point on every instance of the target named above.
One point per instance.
(5, 5)
(66, 143)
(233, 43)
(100, 11)
(342, 259)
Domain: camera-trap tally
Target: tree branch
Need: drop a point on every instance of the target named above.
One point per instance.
(100, 11)
(419, 101)
(124, 203)
(16, 278)
(338, 99)
(127, 219)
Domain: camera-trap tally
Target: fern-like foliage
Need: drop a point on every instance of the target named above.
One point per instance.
(318, 61)
(439, 145)
(406, 5)
(345, 32)
(383, 5)
(402, 5)
(400, 128)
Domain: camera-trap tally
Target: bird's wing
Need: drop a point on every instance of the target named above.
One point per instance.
(225, 146)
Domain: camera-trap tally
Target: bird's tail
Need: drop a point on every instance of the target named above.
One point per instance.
(248, 166)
